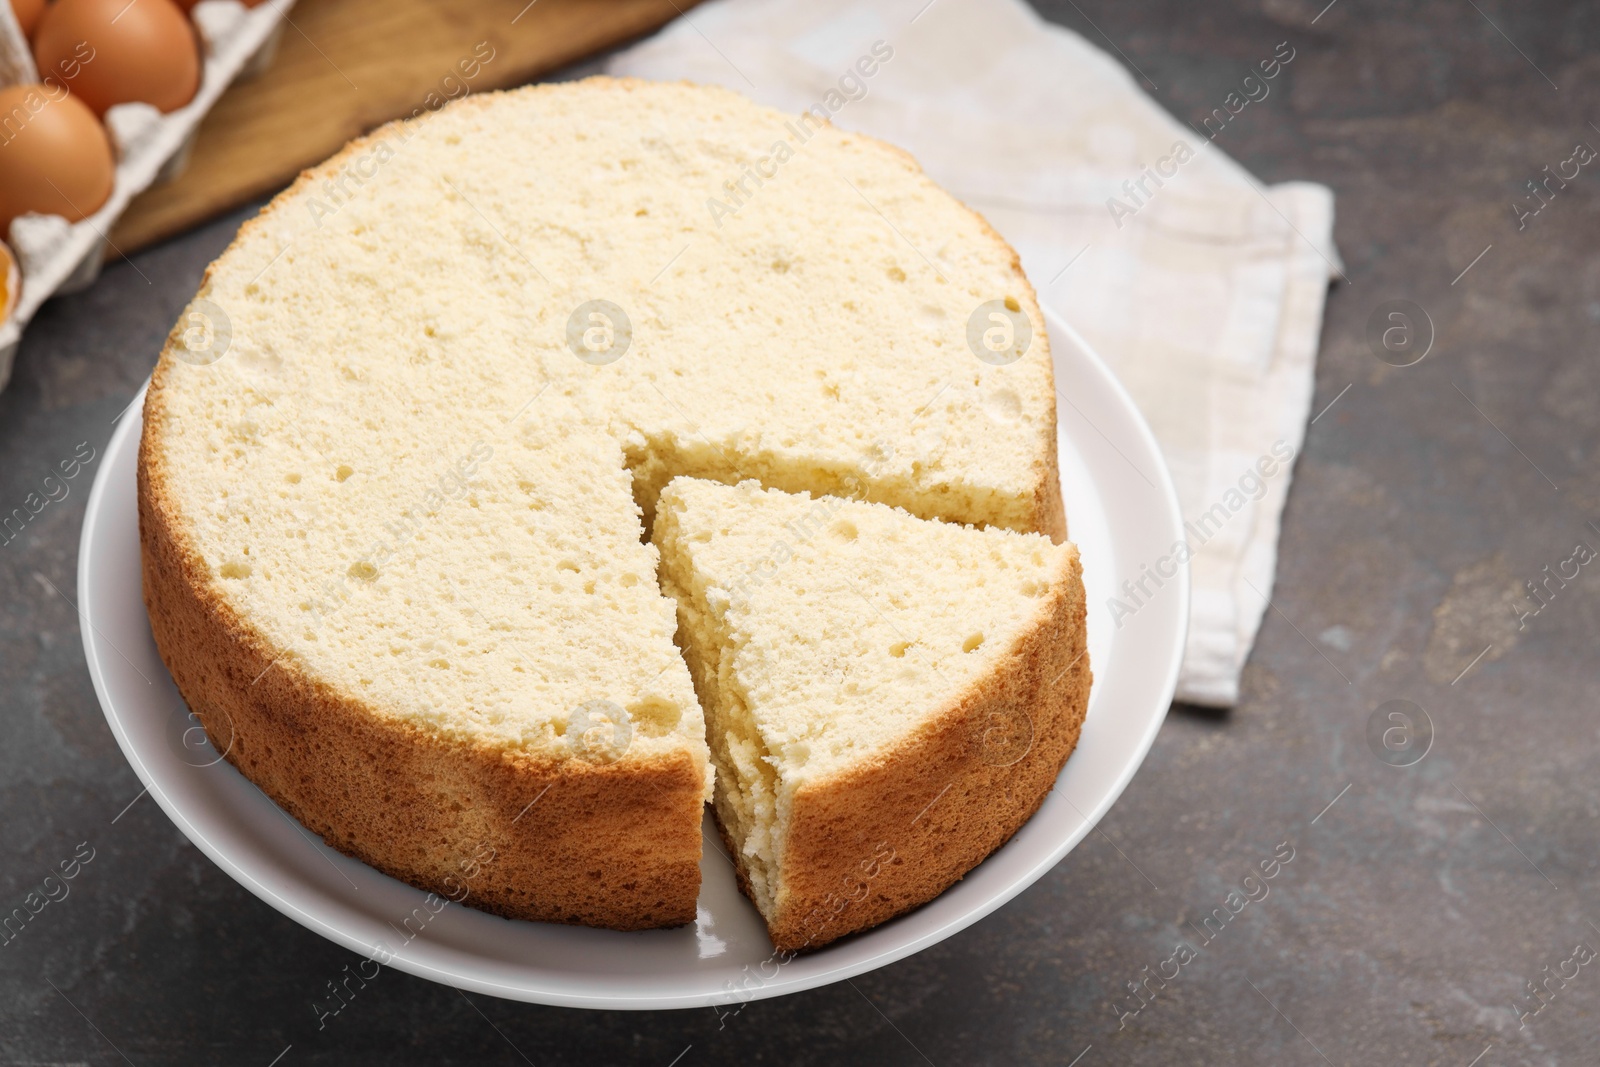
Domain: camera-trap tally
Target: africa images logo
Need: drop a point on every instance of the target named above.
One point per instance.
(599, 332)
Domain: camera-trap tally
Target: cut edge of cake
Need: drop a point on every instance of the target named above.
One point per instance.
(879, 837)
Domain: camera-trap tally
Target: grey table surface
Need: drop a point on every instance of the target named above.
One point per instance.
(1418, 907)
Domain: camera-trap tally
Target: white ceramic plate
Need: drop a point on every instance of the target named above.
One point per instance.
(1123, 514)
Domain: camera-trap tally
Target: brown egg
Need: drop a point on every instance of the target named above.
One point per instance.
(55, 157)
(27, 12)
(109, 52)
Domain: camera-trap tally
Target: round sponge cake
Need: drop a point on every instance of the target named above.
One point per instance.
(402, 455)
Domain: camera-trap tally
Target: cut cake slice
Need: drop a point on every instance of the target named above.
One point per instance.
(887, 698)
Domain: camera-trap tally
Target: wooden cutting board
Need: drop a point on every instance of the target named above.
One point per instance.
(344, 67)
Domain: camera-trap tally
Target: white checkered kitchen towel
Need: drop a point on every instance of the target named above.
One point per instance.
(1202, 288)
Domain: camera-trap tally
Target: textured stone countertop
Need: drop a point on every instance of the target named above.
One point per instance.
(1416, 909)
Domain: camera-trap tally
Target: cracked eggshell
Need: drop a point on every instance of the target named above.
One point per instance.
(12, 282)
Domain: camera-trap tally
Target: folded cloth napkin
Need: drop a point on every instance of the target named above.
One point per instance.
(1202, 288)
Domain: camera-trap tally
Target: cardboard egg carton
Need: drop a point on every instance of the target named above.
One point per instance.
(57, 256)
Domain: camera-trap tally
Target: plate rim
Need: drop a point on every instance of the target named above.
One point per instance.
(1166, 491)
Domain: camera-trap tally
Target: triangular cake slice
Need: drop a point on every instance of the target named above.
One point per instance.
(887, 698)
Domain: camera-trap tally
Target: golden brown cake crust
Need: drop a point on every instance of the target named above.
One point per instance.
(426, 810)
(893, 833)
(527, 838)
